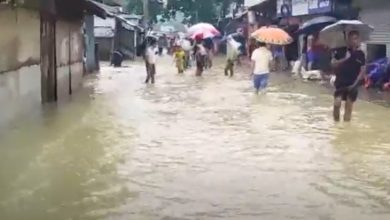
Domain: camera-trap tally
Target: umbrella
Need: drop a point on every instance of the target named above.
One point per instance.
(200, 35)
(205, 28)
(272, 35)
(315, 25)
(204, 34)
(335, 35)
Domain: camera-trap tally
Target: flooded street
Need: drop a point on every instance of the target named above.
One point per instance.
(195, 148)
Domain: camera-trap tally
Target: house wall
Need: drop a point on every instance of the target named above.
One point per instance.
(69, 49)
(105, 47)
(104, 33)
(20, 73)
(91, 62)
(126, 42)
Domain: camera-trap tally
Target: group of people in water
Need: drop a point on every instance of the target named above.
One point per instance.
(184, 51)
(348, 68)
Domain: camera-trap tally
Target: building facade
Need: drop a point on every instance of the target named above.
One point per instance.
(377, 14)
(42, 53)
(20, 68)
(118, 31)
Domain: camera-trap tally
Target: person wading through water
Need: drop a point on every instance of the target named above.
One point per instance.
(349, 71)
(150, 59)
(262, 62)
(232, 53)
(179, 56)
(200, 55)
(208, 44)
(162, 44)
(234, 49)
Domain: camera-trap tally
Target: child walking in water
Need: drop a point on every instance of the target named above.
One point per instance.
(179, 56)
(261, 66)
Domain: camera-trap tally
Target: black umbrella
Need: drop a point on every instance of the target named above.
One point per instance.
(315, 25)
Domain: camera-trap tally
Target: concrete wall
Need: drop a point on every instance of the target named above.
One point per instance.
(70, 49)
(20, 73)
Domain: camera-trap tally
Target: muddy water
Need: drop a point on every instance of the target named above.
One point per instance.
(195, 148)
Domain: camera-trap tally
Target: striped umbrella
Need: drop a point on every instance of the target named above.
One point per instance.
(272, 35)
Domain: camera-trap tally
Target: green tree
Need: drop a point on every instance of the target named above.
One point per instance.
(197, 10)
(136, 7)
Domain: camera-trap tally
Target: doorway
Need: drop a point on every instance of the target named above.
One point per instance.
(376, 51)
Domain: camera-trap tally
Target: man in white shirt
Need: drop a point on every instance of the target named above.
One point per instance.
(151, 58)
(261, 66)
(232, 54)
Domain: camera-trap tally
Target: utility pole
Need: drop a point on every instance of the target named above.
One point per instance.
(146, 12)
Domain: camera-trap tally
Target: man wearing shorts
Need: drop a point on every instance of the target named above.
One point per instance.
(349, 71)
(261, 65)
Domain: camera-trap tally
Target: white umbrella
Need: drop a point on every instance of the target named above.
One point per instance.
(335, 34)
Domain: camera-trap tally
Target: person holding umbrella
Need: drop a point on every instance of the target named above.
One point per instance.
(261, 65)
(200, 54)
(351, 69)
(262, 58)
(199, 32)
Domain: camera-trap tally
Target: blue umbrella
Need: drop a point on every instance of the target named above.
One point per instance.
(315, 25)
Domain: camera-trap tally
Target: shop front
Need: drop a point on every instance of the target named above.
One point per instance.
(303, 9)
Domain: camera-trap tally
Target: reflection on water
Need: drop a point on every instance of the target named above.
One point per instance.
(195, 148)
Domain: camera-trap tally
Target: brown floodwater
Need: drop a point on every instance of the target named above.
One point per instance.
(195, 148)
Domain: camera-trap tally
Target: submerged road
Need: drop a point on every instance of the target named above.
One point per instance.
(195, 148)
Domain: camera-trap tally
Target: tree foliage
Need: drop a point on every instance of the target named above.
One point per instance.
(195, 10)
(200, 10)
(136, 7)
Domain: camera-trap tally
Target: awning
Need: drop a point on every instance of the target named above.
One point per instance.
(129, 25)
(98, 9)
(253, 3)
(258, 5)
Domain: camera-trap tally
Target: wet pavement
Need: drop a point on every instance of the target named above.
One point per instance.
(195, 148)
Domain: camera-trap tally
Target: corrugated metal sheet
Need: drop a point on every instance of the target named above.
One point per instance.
(380, 19)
